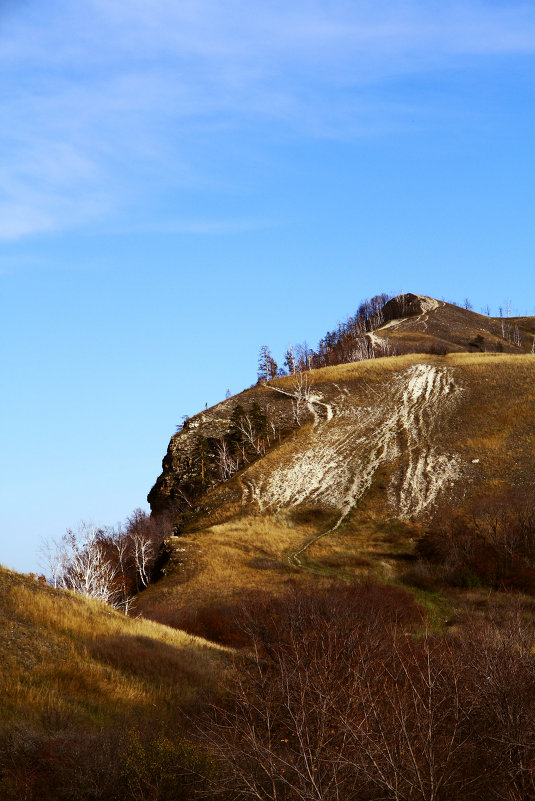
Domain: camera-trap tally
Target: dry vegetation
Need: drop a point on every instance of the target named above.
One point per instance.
(235, 546)
(366, 586)
(61, 650)
(83, 689)
(348, 695)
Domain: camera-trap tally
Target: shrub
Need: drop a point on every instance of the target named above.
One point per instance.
(439, 349)
(347, 704)
(493, 545)
(140, 764)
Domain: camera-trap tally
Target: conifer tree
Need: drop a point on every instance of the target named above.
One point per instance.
(267, 366)
(203, 457)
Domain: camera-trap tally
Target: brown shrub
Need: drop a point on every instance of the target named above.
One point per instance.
(218, 622)
(439, 349)
(137, 764)
(492, 545)
(344, 703)
(236, 624)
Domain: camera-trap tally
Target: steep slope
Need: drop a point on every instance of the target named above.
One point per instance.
(414, 323)
(382, 445)
(423, 323)
(67, 661)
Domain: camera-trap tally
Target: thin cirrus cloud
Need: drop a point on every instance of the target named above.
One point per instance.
(105, 104)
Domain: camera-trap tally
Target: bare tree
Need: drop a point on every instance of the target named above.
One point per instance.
(105, 563)
(361, 349)
(267, 366)
(226, 463)
(407, 719)
(246, 427)
(303, 357)
(53, 560)
(144, 541)
(143, 553)
(289, 360)
(301, 391)
(120, 544)
(387, 348)
(501, 653)
(84, 566)
(340, 701)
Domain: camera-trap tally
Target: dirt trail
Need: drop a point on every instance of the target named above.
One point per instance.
(427, 305)
(339, 464)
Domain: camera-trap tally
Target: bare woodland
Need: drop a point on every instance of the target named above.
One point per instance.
(110, 565)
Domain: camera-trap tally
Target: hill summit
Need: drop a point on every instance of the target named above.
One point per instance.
(338, 453)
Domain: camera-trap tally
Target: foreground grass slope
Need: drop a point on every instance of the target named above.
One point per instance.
(67, 660)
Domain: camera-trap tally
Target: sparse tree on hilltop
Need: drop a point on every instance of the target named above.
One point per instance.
(267, 366)
(289, 360)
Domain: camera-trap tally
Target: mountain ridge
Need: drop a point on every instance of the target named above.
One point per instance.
(380, 444)
(424, 317)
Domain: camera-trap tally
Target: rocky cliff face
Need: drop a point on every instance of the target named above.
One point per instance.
(184, 476)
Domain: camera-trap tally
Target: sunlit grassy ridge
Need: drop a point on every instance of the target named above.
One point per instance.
(483, 425)
(66, 655)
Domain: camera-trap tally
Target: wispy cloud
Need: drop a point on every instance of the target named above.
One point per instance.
(106, 105)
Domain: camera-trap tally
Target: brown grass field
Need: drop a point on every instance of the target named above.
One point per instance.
(76, 659)
(236, 546)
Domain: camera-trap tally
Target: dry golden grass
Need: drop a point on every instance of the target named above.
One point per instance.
(236, 548)
(231, 558)
(89, 663)
(372, 369)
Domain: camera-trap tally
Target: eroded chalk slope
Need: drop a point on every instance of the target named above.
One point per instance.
(348, 445)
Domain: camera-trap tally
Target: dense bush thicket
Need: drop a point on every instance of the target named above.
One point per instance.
(234, 624)
(73, 764)
(492, 545)
(339, 700)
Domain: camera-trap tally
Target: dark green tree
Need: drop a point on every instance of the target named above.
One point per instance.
(203, 458)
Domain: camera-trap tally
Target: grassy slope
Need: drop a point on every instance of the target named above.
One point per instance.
(68, 657)
(455, 328)
(235, 547)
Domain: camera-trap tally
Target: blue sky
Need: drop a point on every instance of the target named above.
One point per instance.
(181, 183)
